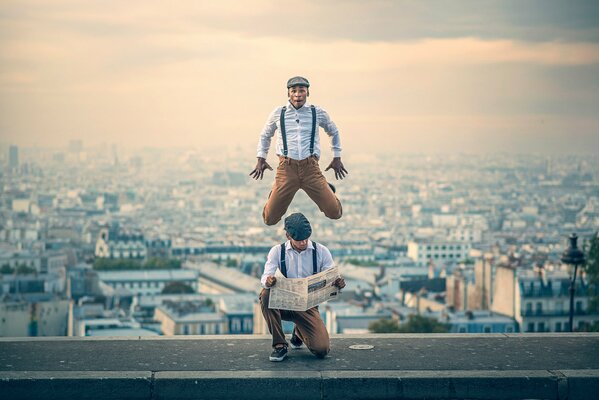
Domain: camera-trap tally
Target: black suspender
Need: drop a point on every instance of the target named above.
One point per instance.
(313, 129)
(283, 264)
(284, 131)
(314, 267)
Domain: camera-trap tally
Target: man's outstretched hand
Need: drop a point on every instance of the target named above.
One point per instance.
(339, 282)
(338, 167)
(261, 165)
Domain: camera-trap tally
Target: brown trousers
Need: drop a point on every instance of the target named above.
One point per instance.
(293, 175)
(309, 327)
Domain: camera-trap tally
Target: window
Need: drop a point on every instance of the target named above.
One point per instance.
(558, 326)
(186, 329)
(539, 308)
(202, 329)
(541, 327)
(509, 329)
(462, 329)
(528, 308)
(487, 329)
(531, 327)
(235, 325)
(579, 306)
(217, 328)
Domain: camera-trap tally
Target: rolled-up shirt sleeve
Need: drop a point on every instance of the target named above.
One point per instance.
(270, 267)
(267, 133)
(325, 122)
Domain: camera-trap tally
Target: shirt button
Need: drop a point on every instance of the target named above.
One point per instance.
(297, 120)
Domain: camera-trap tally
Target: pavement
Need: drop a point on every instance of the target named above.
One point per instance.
(432, 366)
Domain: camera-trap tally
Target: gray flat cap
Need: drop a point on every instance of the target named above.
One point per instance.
(298, 226)
(297, 81)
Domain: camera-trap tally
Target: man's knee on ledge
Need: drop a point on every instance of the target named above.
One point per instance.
(321, 351)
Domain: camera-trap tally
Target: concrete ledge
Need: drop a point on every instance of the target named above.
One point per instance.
(485, 367)
(237, 385)
(183, 385)
(92, 385)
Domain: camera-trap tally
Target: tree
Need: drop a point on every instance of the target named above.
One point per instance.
(384, 326)
(6, 269)
(177, 288)
(415, 324)
(23, 269)
(420, 324)
(591, 269)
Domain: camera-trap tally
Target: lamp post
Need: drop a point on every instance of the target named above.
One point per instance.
(573, 257)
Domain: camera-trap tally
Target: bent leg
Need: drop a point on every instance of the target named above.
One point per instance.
(316, 187)
(311, 330)
(273, 319)
(283, 190)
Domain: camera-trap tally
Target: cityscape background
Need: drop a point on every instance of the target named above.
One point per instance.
(103, 241)
(128, 130)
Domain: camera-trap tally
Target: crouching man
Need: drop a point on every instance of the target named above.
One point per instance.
(298, 257)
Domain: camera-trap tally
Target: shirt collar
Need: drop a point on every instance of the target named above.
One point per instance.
(305, 106)
(289, 248)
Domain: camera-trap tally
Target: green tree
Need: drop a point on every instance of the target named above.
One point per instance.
(420, 324)
(384, 326)
(23, 269)
(6, 269)
(177, 288)
(113, 264)
(415, 324)
(591, 269)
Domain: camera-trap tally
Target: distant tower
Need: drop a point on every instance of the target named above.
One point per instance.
(115, 156)
(13, 158)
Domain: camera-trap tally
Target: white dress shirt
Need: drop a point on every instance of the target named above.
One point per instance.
(299, 264)
(298, 129)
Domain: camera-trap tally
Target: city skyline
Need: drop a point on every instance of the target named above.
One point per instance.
(411, 77)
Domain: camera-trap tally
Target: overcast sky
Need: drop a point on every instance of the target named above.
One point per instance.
(396, 76)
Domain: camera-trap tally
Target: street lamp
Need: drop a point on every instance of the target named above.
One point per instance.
(572, 256)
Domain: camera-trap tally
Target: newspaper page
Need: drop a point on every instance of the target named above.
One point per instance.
(301, 294)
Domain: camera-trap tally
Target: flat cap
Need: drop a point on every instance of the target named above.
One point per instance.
(297, 81)
(298, 226)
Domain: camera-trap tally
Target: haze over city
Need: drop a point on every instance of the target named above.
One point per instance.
(409, 76)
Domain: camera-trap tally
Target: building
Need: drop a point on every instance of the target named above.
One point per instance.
(471, 288)
(147, 282)
(539, 299)
(190, 318)
(37, 314)
(116, 243)
(423, 252)
(480, 322)
(239, 312)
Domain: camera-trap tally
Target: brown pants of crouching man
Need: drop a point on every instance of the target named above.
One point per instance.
(309, 327)
(293, 175)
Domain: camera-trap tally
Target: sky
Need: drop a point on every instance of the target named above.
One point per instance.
(395, 76)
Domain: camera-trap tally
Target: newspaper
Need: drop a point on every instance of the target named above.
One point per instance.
(301, 294)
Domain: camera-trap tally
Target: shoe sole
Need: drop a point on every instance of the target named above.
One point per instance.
(293, 346)
(271, 358)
